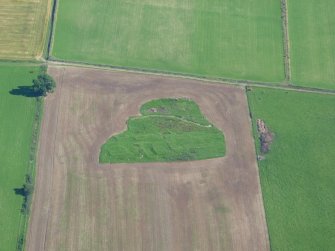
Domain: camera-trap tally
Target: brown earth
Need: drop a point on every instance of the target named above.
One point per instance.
(199, 205)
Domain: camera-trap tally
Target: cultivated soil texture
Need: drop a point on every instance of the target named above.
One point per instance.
(80, 204)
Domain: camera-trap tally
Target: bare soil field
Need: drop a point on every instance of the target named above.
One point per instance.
(198, 205)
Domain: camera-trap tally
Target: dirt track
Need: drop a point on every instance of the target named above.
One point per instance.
(81, 205)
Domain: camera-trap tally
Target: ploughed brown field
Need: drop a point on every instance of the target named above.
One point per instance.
(80, 204)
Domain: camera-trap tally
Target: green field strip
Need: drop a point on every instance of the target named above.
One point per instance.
(19, 128)
(312, 41)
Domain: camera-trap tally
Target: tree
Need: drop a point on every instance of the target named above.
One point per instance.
(43, 84)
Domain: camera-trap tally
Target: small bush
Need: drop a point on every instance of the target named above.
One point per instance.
(28, 189)
(20, 242)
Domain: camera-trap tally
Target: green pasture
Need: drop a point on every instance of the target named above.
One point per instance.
(168, 130)
(312, 41)
(217, 38)
(16, 126)
(298, 174)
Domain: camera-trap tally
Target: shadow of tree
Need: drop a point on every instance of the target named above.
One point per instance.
(26, 91)
(19, 191)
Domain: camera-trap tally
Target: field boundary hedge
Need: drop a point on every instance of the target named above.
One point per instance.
(24, 217)
(286, 40)
(51, 32)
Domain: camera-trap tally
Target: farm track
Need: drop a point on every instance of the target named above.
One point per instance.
(198, 205)
(241, 83)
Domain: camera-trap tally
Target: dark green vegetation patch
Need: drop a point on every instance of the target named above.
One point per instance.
(297, 175)
(168, 130)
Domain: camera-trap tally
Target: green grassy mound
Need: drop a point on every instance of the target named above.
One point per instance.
(297, 175)
(168, 130)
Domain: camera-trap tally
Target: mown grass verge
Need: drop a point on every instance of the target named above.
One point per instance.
(168, 130)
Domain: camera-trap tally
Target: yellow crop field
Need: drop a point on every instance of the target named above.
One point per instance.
(23, 28)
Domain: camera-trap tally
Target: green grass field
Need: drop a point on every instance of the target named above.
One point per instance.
(23, 28)
(218, 38)
(168, 130)
(298, 175)
(312, 40)
(17, 116)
